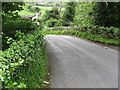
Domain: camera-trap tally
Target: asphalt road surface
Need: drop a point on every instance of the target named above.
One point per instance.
(77, 63)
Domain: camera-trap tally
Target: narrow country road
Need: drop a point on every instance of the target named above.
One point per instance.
(77, 63)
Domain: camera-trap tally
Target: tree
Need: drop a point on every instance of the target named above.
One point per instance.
(83, 13)
(107, 14)
(51, 14)
(10, 9)
(69, 13)
(59, 7)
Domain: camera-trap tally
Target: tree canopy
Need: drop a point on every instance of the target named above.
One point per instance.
(69, 13)
(10, 9)
(107, 14)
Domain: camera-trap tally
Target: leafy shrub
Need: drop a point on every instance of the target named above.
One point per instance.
(20, 56)
(97, 13)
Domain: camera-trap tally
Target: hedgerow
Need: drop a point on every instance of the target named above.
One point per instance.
(102, 32)
(108, 35)
(17, 60)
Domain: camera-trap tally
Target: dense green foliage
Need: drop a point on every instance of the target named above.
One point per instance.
(20, 57)
(83, 13)
(92, 18)
(106, 14)
(9, 8)
(69, 13)
(25, 25)
(10, 27)
(9, 14)
(11, 21)
(101, 13)
(51, 18)
(23, 59)
(51, 14)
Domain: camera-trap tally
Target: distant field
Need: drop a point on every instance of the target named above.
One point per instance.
(26, 12)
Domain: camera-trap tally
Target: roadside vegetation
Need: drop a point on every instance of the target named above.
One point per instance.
(24, 57)
(88, 35)
(96, 21)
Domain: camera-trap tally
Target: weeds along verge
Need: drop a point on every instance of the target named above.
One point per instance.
(105, 35)
(24, 63)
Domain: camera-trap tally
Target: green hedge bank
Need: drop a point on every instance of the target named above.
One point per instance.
(23, 64)
(108, 35)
